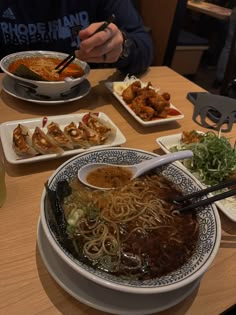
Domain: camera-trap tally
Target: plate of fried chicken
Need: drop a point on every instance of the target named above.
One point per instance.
(144, 102)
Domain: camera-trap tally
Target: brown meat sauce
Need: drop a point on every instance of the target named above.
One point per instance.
(163, 250)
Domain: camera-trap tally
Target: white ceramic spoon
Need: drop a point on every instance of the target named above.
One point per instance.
(136, 169)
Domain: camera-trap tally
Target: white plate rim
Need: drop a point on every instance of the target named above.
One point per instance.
(177, 295)
(156, 122)
(8, 87)
(6, 129)
(164, 143)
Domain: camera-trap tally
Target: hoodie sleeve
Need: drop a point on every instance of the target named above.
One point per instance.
(140, 43)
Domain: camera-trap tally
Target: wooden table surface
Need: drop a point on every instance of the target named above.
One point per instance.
(210, 9)
(26, 285)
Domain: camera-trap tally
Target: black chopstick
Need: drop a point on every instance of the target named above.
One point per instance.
(65, 62)
(101, 28)
(202, 192)
(205, 202)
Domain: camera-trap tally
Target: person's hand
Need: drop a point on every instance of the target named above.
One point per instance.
(104, 46)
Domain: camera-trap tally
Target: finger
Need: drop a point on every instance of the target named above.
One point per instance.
(100, 55)
(112, 48)
(105, 58)
(87, 32)
(94, 40)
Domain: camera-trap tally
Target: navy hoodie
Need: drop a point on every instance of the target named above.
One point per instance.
(54, 25)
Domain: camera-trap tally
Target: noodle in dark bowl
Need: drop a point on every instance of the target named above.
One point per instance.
(131, 231)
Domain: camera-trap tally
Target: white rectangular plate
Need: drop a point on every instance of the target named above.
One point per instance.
(144, 123)
(6, 130)
(226, 206)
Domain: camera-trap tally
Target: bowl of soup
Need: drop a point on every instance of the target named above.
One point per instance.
(36, 70)
(130, 238)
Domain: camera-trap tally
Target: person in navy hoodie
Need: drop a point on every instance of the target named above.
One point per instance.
(65, 26)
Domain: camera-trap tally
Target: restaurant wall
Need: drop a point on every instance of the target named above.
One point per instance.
(158, 15)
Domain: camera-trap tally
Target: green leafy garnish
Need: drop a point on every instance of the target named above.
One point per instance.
(214, 158)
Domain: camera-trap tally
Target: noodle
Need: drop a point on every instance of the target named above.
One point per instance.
(44, 66)
(131, 230)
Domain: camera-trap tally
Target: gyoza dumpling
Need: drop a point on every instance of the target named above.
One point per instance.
(78, 137)
(22, 143)
(58, 137)
(102, 128)
(43, 144)
(93, 137)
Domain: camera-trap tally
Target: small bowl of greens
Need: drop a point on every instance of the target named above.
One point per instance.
(213, 162)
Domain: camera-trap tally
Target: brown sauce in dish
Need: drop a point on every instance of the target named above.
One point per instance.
(109, 177)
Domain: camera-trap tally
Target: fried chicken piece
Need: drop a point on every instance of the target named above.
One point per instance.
(191, 137)
(136, 104)
(146, 113)
(141, 109)
(160, 105)
(162, 109)
(166, 96)
(131, 92)
(146, 102)
(146, 92)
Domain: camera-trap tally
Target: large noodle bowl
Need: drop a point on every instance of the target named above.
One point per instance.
(131, 232)
(45, 67)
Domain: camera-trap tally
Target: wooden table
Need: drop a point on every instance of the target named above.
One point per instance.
(26, 285)
(210, 9)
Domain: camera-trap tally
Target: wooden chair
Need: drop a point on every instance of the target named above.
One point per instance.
(188, 53)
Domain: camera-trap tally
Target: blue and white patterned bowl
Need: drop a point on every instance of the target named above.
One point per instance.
(46, 89)
(209, 236)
